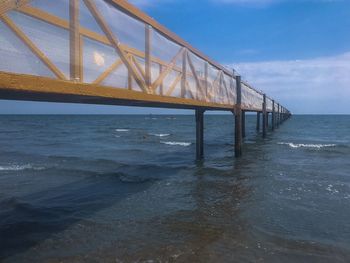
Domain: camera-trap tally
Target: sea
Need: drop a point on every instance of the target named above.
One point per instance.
(119, 188)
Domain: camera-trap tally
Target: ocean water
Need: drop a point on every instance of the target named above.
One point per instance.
(127, 189)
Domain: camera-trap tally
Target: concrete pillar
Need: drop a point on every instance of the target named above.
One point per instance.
(238, 119)
(264, 118)
(273, 116)
(267, 120)
(278, 119)
(243, 124)
(199, 134)
(258, 121)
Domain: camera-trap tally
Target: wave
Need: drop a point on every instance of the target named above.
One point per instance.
(121, 130)
(185, 144)
(17, 167)
(160, 134)
(303, 145)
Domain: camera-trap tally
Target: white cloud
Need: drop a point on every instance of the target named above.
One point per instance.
(318, 85)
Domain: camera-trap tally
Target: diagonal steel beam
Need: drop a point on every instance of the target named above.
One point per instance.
(173, 85)
(12, 26)
(199, 85)
(107, 72)
(115, 43)
(213, 91)
(138, 66)
(188, 89)
(169, 68)
(225, 86)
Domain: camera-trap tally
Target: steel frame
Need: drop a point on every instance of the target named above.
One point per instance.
(204, 92)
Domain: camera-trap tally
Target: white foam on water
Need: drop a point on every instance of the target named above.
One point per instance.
(121, 130)
(303, 145)
(185, 144)
(17, 167)
(159, 134)
(331, 189)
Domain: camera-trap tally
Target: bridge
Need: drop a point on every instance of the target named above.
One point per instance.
(109, 52)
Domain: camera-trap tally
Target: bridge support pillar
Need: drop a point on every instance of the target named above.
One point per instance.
(278, 115)
(264, 118)
(199, 134)
(273, 116)
(258, 121)
(243, 124)
(238, 119)
(267, 120)
(281, 115)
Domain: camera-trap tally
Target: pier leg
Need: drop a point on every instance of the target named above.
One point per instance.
(199, 134)
(267, 120)
(264, 117)
(281, 116)
(258, 121)
(278, 115)
(273, 116)
(238, 119)
(243, 124)
(238, 133)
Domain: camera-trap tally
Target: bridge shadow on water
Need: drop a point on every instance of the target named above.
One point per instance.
(27, 221)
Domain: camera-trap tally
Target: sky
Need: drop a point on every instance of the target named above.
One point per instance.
(297, 51)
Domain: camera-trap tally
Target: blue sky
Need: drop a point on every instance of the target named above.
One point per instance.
(298, 51)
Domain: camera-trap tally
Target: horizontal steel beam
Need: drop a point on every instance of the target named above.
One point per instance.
(28, 87)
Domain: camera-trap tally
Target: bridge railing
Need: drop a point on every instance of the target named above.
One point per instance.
(269, 104)
(111, 44)
(251, 99)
